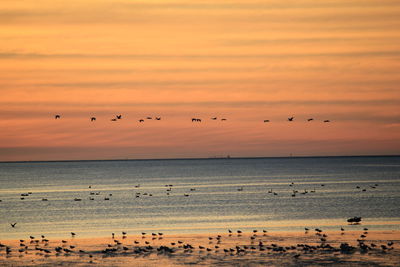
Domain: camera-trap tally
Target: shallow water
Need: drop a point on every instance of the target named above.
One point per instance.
(215, 205)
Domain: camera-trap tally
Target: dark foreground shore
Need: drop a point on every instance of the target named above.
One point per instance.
(314, 247)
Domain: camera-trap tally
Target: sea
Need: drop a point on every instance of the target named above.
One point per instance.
(97, 198)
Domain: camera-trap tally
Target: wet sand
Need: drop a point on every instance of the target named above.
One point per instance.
(312, 248)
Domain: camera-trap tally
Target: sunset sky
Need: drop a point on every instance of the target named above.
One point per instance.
(242, 60)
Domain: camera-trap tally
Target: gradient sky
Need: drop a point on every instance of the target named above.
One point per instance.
(243, 60)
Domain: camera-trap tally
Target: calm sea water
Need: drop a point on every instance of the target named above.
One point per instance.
(226, 193)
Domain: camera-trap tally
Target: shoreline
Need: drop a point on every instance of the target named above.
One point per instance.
(316, 247)
(273, 227)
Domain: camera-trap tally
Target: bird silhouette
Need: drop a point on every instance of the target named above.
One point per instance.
(310, 119)
(113, 119)
(327, 121)
(141, 120)
(119, 116)
(266, 120)
(13, 224)
(158, 118)
(223, 119)
(214, 118)
(57, 116)
(290, 119)
(92, 119)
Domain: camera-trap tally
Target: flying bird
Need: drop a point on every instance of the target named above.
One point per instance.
(141, 120)
(290, 119)
(327, 121)
(13, 224)
(57, 116)
(266, 120)
(214, 118)
(92, 118)
(119, 116)
(223, 119)
(310, 119)
(158, 118)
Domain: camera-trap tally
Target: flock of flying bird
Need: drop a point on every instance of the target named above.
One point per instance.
(119, 117)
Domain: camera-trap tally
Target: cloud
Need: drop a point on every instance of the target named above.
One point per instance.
(372, 53)
(296, 147)
(341, 102)
(244, 41)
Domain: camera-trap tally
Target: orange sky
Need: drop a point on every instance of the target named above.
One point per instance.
(243, 60)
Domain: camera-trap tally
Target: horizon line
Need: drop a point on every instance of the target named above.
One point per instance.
(228, 157)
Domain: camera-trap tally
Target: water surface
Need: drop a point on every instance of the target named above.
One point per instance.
(223, 193)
